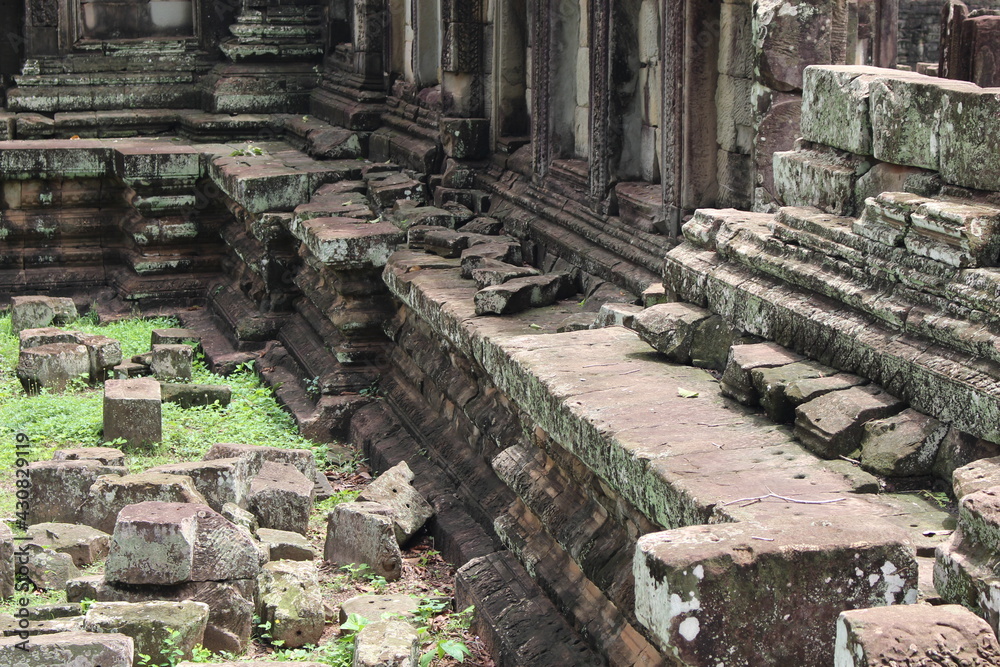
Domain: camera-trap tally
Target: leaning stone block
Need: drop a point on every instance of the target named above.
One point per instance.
(957, 234)
(521, 294)
(291, 601)
(85, 545)
(69, 649)
(363, 533)
(903, 445)
(737, 381)
(669, 328)
(410, 511)
(281, 497)
(168, 543)
(832, 425)
(109, 495)
(918, 634)
(302, 459)
(386, 643)
(771, 383)
(151, 624)
(108, 456)
(220, 481)
(172, 362)
(33, 312)
(60, 488)
(52, 366)
(700, 590)
(385, 192)
(132, 411)
(286, 545)
(976, 476)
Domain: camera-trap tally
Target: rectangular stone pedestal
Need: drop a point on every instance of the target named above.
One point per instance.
(132, 411)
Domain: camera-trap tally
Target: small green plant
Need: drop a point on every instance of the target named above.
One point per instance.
(171, 651)
(445, 647)
(428, 556)
(246, 152)
(312, 388)
(372, 389)
(337, 498)
(202, 654)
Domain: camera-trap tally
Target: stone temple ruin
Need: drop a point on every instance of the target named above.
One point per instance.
(671, 305)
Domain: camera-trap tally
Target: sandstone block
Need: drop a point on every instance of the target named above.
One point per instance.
(819, 178)
(833, 424)
(491, 272)
(387, 644)
(802, 391)
(481, 254)
(60, 488)
(172, 362)
(85, 545)
(70, 649)
(735, 115)
(49, 569)
(168, 543)
(737, 381)
(904, 445)
(281, 497)
(669, 328)
(83, 588)
(105, 353)
(914, 634)
(240, 517)
(700, 589)
(46, 336)
(771, 383)
(33, 312)
(384, 192)
(617, 315)
(835, 106)
(286, 545)
(787, 36)
(979, 517)
(410, 511)
(52, 366)
(132, 411)
(191, 395)
(957, 234)
(484, 225)
(150, 624)
(405, 216)
(108, 495)
(886, 218)
(976, 476)
(959, 449)
(220, 481)
(302, 459)
(175, 336)
(372, 607)
(969, 143)
(964, 574)
(735, 47)
(363, 533)
(521, 294)
(108, 456)
(292, 602)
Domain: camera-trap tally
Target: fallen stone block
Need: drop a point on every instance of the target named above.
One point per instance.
(385, 192)
(903, 445)
(976, 476)
(669, 328)
(959, 449)
(70, 649)
(150, 625)
(60, 488)
(918, 634)
(172, 362)
(281, 497)
(521, 294)
(832, 425)
(964, 574)
(364, 533)
(712, 339)
(240, 517)
(803, 391)
(343, 243)
(52, 366)
(303, 459)
(256, 663)
(83, 588)
(737, 380)
(85, 545)
(393, 489)
(490, 272)
(49, 569)
(132, 411)
(108, 456)
(979, 518)
(617, 315)
(105, 353)
(130, 369)
(220, 481)
(450, 243)
(46, 336)
(34, 312)
(385, 643)
(405, 217)
(483, 225)
(291, 601)
(478, 255)
(771, 383)
(577, 322)
(286, 545)
(956, 234)
(175, 336)
(887, 217)
(109, 495)
(165, 543)
(11, 626)
(6, 562)
(700, 589)
(377, 607)
(193, 395)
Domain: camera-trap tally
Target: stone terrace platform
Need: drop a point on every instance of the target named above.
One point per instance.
(685, 464)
